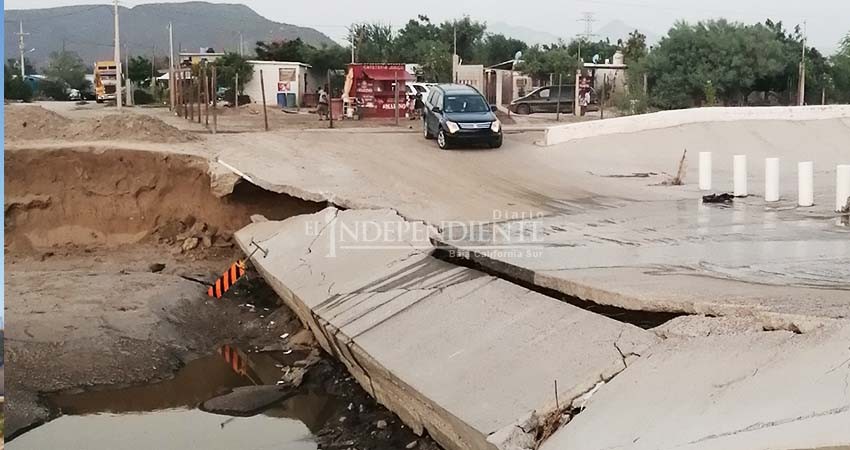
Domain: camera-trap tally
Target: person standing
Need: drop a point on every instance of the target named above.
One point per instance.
(323, 104)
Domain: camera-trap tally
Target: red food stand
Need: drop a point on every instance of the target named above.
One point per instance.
(372, 88)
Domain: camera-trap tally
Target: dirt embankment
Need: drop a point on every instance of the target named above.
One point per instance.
(33, 122)
(86, 198)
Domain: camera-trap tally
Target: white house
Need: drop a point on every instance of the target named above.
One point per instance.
(286, 83)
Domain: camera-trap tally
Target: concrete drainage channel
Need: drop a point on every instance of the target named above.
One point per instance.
(114, 335)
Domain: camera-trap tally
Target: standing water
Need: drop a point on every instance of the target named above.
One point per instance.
(165, 415)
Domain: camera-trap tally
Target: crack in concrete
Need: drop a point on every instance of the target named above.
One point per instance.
(775, 423)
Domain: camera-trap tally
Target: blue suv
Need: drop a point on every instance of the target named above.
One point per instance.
(457, 113)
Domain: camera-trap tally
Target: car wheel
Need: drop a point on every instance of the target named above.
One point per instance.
(496, 143)
(425, 130)
(523, 109)
(442, 142)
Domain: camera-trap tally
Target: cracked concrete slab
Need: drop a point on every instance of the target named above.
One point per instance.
(787, 269)
(467, 356)
(770, 390)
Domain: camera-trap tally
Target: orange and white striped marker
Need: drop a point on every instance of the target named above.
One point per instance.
(234, 359)
(227, 279)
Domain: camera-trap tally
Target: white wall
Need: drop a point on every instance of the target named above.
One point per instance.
(665, 119)
(271, 78)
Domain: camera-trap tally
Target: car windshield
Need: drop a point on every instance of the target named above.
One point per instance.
(465, 104)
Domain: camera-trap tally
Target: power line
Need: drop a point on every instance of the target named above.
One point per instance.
(588, 19)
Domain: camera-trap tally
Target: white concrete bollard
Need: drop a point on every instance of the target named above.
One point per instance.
(842, 186)
(805, 183)
(771, 179)
(739, 174)
(705, 171)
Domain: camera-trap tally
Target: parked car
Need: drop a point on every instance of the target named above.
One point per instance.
(545, 99)
(411, 89)
(457, 113)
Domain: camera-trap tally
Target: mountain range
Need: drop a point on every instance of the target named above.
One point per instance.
(88, 29)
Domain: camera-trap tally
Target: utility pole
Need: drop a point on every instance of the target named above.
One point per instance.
(117, 59)
(455, 57)
(351, 38)
(801, 85)
(171, 94)
(128, 86)
(153, 69)
(454, 38)
(21, 47)
(241, 45)
(588, 19)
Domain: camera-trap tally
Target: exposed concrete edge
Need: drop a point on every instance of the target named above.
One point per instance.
(388, 390)
(767, 319)
(559, 134)
(294, 191)
(311, 196)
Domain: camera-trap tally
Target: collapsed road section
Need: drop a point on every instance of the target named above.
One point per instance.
(481, 363)
(478, 362)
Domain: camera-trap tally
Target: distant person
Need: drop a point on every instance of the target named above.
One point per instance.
(323, 104)
(418, 105)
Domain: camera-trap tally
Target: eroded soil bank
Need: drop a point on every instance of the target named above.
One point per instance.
(107, 256)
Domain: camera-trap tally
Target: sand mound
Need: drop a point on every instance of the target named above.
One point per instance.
(32, 122)
(126, 127)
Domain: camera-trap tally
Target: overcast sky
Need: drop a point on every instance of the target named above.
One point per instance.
(828, 20)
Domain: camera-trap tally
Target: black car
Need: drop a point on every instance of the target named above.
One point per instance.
(457, 113)
(545, 99)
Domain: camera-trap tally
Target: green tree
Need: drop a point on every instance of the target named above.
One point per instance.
(435, 61)
(139, 70)
(542, 61)
(228, 66)
(373, 42)
(587, 49)
(14, 64)
(839, 89)
(497, 48)
(466, 32)
(293, 50)
(68, 67)
(416, 39)
(634, 49)
(785, 81)
(15, 88)
(732, 56)
(52, 89)
(327, 57)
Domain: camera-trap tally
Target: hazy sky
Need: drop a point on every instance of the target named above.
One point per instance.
(828, 20)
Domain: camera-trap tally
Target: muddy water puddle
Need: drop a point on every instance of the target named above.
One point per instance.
(165, 415)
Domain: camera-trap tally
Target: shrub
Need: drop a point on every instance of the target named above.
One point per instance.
(19, 90)
(53, 90)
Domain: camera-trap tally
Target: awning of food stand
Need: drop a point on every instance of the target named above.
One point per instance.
(388, 74)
